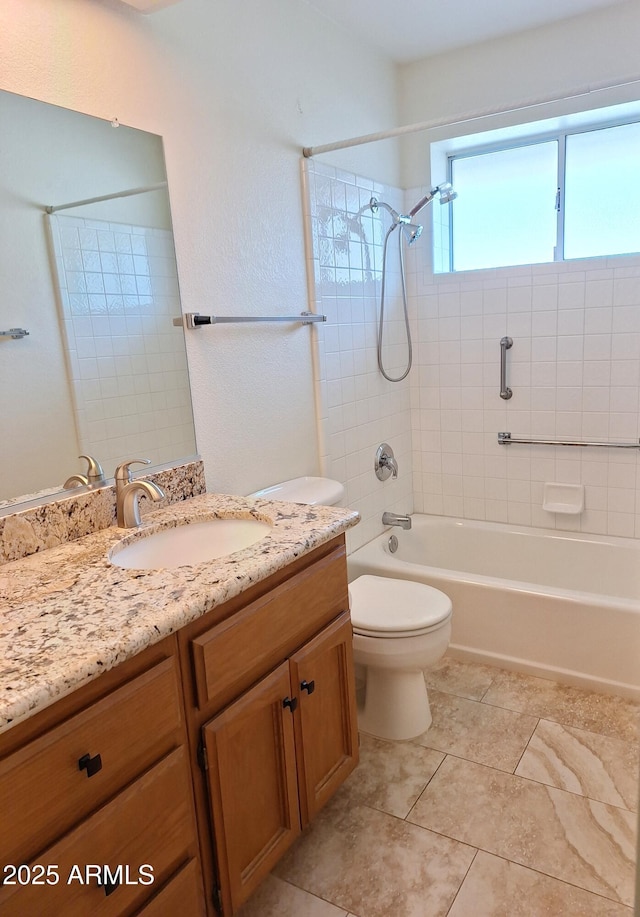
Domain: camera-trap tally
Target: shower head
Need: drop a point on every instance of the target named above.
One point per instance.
(446, 192)
(412, 231)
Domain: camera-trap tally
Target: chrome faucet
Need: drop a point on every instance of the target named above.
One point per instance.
(128, 491)
(394, 519)
(385, 463)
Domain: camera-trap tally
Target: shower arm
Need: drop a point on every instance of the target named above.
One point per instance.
(398, 218)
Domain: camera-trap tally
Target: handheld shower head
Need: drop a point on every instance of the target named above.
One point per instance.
(446, 192)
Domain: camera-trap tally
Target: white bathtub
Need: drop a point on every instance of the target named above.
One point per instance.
(555, 604)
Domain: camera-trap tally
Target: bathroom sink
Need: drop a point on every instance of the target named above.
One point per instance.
(191, 543)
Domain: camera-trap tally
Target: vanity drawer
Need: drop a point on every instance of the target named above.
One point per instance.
(148, 831)
(43, 791)
(182, 895)
(234, 654)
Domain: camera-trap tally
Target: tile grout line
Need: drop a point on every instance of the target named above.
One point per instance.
(524, 750)
(463, 881)
(412, 807)
(518, 863)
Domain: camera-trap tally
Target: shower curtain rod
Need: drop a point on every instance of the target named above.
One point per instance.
(108, 197)
(465, 118)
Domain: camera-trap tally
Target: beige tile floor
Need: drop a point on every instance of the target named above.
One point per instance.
(518, 802)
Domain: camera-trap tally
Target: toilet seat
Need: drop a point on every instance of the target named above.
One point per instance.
(386, 607)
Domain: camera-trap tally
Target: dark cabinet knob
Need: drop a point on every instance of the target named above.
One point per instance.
(308, 686)
(290, 702)
(90, 764)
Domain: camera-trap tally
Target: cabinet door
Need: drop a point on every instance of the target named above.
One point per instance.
(252, 785)
(325, 722)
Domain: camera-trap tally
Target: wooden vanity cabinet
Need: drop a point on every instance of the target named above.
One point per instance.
(203, 757)
(100, 779)
(279, 673)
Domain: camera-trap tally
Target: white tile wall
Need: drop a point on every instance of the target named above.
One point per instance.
(575, 373)
(574, 369)
(127, 362)
(357, 407)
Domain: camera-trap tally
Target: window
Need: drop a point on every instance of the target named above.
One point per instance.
(602, 192)
(505, 211)
(571, 195)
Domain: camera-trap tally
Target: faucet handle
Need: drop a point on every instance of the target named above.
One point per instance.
(385, 464)
(123, 473)
(95, 474)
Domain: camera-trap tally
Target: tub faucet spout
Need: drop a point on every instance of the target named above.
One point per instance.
(395, 519)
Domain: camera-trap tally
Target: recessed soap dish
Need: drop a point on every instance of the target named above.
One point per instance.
(563, 498)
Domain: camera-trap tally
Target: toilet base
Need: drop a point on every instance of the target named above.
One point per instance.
(396, 705)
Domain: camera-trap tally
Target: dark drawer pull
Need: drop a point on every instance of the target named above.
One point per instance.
(290, 702)
(90, 765)
(308, 686)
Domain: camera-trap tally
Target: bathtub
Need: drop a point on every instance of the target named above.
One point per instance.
(555, 604)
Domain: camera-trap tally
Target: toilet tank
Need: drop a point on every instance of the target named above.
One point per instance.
(306, 489)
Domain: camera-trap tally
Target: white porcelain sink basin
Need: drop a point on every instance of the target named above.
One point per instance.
(189, 544)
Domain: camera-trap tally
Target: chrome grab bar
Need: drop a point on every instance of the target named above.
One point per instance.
(506, 343)
(195, 320)
(505, 439)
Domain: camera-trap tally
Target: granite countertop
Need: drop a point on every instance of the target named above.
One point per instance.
(67, 614)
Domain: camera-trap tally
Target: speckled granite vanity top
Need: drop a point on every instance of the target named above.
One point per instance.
(67, 614)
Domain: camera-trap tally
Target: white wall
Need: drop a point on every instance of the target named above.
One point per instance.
(550, 61)
(235, 90)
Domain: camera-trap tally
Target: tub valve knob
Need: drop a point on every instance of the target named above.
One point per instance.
(385, 464)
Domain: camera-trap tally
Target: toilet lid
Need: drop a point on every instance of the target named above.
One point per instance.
(384, 606)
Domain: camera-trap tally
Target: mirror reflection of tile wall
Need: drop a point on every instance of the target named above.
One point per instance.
(118, 296)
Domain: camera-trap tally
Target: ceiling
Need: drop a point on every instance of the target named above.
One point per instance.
(407, 30)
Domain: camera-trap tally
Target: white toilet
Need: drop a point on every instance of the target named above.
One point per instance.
(399, 629)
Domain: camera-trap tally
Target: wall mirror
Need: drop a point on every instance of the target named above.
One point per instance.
(88, 271)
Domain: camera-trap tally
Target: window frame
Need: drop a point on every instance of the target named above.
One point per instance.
(543, 136)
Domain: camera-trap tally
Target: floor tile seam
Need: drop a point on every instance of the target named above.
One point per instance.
(484, 703)
(524, 750)
(464, 879)
(451, 693)
(562, 789)
(634, 743)
(531, 780)
(488, 688)
(414, 824)
(412, 807)
(346, 913)
(558, 722)
(523, 864)
(541, 872)
(504, 770)
(512, 772)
